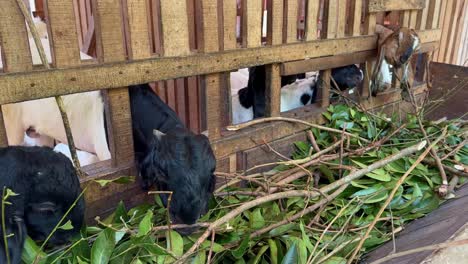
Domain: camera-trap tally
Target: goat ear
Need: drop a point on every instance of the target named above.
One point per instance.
(158, 134)
(45, 207)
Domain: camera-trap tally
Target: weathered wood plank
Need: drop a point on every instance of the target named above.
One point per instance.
(422, 17)
(17, 87)
(324, 87)
(139, 31)
(275, 22)
(393, 5)
(405, 18)
(413, 19)
(216, 98)
(110, 48)
(252, 23)
(446, 30)
(291, 13)
(273, 90)
(454, 30)
(433, 14)
(312, 19)
(16, 55)
(341, 26)
(332, 19)
(357, 17)
(229, 24)
(324, 63)
(175, 27)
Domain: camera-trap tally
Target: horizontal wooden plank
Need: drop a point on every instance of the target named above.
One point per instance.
(323, 63)
(17, 87)
(392, 5)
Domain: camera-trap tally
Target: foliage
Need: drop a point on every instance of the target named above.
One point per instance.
(129, 236)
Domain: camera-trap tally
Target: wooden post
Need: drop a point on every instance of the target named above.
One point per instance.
(15, 51)
(110, 48)
(368, 66)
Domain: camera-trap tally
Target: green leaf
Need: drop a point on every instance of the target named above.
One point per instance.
(306, 238)
(31, 250)
(327, 116)
(119, 180)
(368, 191)
(256, 220)
(9, 193)
(146, 224)
(358, 185)
(281, 229)
(103, 247)
(380, 196)
(260, 254)
(302, 146)
(241, 249)
(67, 226)
(200, 258)
(176, 244)
(291, 256)
(327, 172)
(335, 260)
(273, 251)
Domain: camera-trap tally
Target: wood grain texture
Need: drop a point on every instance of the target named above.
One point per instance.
(422, 16)
(357, 17)
(275, 22)
(332, 19)
(341, 26)
(433, 14)
(446, 30)
(313, 8)
(273, 90)
(324, 87)
(454, 30)
(110, 48)
(413, 19)
(15, 49)
(290, 18)
(229, 23)
(92, 77)
(392, 5)
(139, 31)
(252, 23)
(175, 27)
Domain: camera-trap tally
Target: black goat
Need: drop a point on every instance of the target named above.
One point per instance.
(171, 157)
(46, 186)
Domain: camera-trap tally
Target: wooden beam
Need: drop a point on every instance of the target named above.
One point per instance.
(19, 87)
(16, 55)
(110, 48)
(252, 23)
(229, 23)
(273, 90)
(328, 62)
(175, 27)
(393, 5)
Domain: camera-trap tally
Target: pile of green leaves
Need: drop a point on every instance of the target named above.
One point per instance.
(328, 235)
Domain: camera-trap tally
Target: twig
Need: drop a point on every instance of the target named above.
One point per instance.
(292, 120)
(336, 250)
(208, 260)
(392, 194)
(426, 248)
(246, 193)
(455, 150)
(58, 99)
(452, 184)
(312, 140)
(447, 168)
(300, 214)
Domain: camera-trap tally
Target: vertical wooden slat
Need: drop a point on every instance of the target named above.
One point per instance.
(229, 24)
(290, 18)
(457, 5)
(155, 6)
(252, 24)
(413, 19)
(175, 27)
(341, 26)
(332, 19)
(440, 25)
(446, 30)
(138, 28)
(325, 88)
(357, 18)
(433, 14)
(422, 16)
(461, 44)
(312, 19)
(406, 18)
(110, 47)
(216, 98)
(193, 113)
(15, 51)
(367, 67)
(273, 82)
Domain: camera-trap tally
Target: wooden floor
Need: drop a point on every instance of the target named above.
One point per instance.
(440, 225)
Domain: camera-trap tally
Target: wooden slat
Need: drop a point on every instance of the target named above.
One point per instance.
(252, 24)
(273, 82)
(392, 5)
(332, 19)
(446, 31)
(17, 87)
(422, 17)
(139, 31)
(110, 48)
(433, 14)
(229, 23)
(216, 98)
(341, 27)
(325, 88)
(413, 19)
(181, 104)
(291, 13)
(463, 38)
(312, 19)
(406, 16)
(275, 24)
(193, 114)
(324, 63)
(357, 18)
(457, 5)
(175, 27)
(171, 96)
(15, 50)
(442, 16)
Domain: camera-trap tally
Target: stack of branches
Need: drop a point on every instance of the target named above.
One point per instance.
(349, 188)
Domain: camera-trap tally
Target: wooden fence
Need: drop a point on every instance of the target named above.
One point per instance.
(335, 33)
